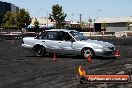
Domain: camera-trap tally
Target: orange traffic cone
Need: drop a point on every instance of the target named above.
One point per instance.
(89, 59)
(117, 54)
(54, 58)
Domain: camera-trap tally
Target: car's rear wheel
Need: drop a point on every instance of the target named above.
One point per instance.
(39, 51)
(87, 52)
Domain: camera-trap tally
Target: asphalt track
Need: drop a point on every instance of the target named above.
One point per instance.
(19, 68)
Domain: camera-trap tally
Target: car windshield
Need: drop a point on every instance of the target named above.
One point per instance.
(77, 35)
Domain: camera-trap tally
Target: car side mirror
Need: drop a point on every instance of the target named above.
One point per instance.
(72, 40)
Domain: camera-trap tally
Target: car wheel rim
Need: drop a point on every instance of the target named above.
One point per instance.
(39, 51)
(87, 53)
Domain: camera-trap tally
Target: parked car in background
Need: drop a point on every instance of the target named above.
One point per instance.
(63, 41)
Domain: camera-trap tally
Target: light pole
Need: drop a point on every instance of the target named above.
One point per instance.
(46, 16)
(41, 12)
(72, 17)
(98, 13)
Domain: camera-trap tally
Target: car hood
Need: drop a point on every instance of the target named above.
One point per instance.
(102, 43)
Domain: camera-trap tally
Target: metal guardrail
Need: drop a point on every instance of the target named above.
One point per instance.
(16, 37)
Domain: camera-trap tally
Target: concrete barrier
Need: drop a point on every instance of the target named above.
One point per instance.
(98, 34)
(123, 34)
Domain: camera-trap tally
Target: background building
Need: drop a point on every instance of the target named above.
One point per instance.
(4, 7)
(43, 23)
(114, 24)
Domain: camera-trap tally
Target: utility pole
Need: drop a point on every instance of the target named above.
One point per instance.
(80, 18)
(47, 19)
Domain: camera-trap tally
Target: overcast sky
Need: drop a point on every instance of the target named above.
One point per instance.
(88, 8)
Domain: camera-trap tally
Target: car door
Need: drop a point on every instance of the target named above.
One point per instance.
(49, 40)
(65, 43)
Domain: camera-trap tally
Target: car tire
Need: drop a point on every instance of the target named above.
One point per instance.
(87, 52)
(39, 51)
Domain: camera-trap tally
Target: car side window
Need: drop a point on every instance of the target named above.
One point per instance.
(64, 36)
(40, 35)
(44, 36)
(51, 35)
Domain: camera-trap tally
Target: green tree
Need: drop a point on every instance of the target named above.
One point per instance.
(36, 24)
(57, 15)
(103, 26)
(23, 18)
(128, 25)
(9, 19)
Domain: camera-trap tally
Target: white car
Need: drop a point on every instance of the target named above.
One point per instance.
(65, 41)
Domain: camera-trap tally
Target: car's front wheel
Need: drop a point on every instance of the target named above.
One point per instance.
(39, 51)
(87, 52)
